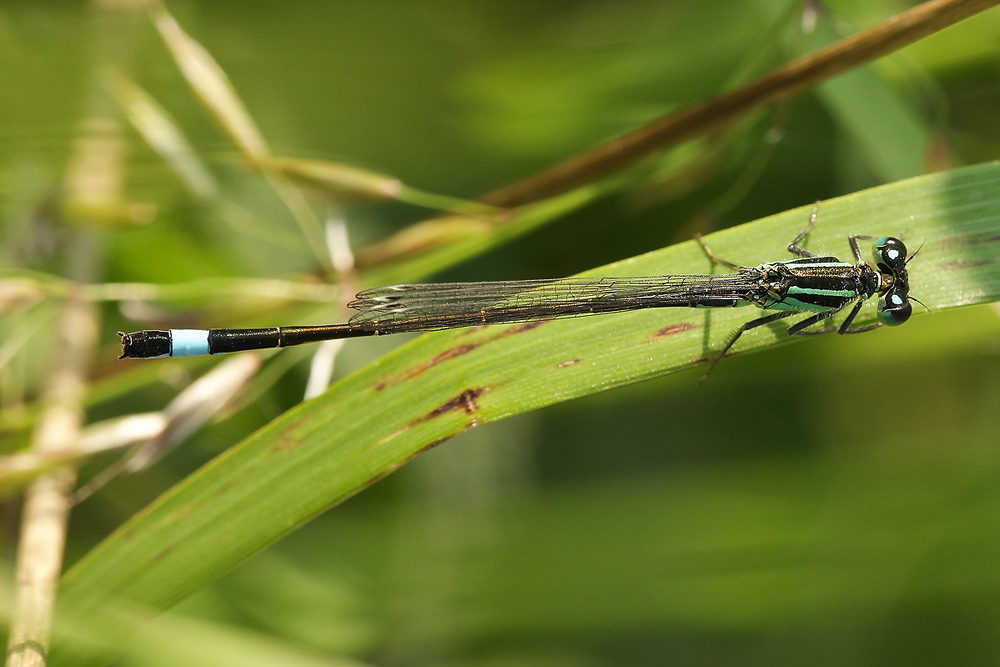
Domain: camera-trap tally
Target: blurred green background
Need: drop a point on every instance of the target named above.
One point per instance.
(834, 502)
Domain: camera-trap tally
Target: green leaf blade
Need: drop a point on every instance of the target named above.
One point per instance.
(439, 385)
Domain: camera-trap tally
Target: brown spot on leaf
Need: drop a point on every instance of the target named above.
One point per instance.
(454, 352)
(417, 370)
(450, 354)
(522, 328)
(160, 555)
(568, 362)
(435, 443)
(974, 239)
(464, 401)
(431, 445)
(227, 487)
(966, 263)
(673, 329)
(286, 444)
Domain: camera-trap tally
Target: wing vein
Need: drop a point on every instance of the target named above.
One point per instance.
(430, 306)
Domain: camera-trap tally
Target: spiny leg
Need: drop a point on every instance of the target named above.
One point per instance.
(863, 329)
(793, 247)
(853, 239)
(711, 255)
(752, 324)
(708, 316)
(802, 328)
(845, 328)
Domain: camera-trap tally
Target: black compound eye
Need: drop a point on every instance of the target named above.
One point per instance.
(890, 252)
(894, 309)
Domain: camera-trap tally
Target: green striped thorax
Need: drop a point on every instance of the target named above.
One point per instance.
(820, 284)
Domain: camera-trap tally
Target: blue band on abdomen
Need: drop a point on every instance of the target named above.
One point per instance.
(188, 342)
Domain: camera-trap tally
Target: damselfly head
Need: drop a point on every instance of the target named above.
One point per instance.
(894, 306)
(890, 255)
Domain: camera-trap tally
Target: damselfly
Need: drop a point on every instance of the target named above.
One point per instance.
(818, 285)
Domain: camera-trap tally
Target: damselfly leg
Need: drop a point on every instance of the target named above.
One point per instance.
(818, 286)
(818, 278)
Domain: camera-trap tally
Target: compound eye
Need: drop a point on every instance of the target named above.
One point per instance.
(894, 309)
(891, 252)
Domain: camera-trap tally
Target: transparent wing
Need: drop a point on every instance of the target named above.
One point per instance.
(430, 306)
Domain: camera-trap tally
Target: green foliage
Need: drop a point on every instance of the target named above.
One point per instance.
(831, 501)
(442, 384)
